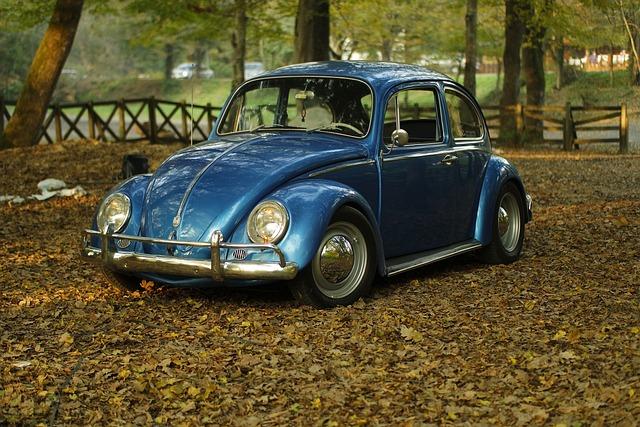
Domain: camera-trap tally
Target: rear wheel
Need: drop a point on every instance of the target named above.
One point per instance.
(343, 267)
(122, 281)
(508, 227)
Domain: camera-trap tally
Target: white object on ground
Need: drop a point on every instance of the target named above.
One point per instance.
(51, 184)
(11, 199)
(75, 191)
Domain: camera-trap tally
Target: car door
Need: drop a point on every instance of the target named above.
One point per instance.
(469, 138)
(416, 199)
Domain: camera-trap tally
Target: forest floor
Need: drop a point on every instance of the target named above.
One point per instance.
(551, 339)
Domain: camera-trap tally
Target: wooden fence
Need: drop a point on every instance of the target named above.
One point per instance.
(568, 126)
(157, 120)
(123, 120)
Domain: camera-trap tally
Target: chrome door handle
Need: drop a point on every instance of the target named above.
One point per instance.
(449, 159)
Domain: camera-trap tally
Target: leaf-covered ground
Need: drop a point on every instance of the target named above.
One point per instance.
(551, 339)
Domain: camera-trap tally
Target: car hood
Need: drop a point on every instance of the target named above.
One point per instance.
(212, 186)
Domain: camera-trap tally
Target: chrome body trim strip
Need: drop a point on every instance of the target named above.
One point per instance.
(214, 268)
(341, 167)
(431, 153)
(409, 262)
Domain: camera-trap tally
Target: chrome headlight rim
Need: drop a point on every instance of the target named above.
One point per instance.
(252, 232)
(103, 224)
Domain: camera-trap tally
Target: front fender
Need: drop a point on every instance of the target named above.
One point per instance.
(499, 171)
(311, 205)
(136, 188)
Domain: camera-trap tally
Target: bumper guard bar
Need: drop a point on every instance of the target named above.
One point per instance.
(215, 268)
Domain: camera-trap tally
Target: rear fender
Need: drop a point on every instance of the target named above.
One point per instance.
(499, 171)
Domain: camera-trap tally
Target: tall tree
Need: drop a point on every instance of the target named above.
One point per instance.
(24, 126)
(312, 31)
(239, 42)
(471, 45)
(533, 62)
(513, 33)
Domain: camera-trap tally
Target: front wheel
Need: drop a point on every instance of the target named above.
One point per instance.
(343, 267)
(508, 227)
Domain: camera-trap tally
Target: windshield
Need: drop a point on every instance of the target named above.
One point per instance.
(303, 104)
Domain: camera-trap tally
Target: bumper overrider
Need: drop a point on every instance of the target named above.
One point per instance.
(213, 268)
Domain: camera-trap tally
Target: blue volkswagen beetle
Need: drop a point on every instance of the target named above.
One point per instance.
(323, 175)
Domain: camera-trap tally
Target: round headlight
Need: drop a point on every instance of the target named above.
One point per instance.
(115, 210)
(267, 222)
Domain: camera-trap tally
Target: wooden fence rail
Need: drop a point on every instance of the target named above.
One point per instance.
(123, 120)
(157, 120)
(569, 126)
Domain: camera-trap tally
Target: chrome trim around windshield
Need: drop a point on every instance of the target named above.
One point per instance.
(214, 268)
(223, 113)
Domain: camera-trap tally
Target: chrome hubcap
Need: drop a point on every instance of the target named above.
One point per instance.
(336, 259)
(340, 262)
(509, 222)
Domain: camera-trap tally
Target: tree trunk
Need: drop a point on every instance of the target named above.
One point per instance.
(611, 65)
(559, 60)
(312, 31)
(498, 78)
(533, 63)
(169, 60)
(513, 33)
(24, 126)
(471, 45)
(239, 43)
(386, 51)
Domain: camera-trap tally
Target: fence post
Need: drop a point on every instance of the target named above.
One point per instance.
(57, 117)
(185, 127)
(567, 131)
(153, 126)
(122, 134)
(624, 129)
(518, 113)
(1, 117)
(209, 119)
(90, 121)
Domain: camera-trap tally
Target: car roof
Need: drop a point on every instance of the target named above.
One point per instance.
(380, 75)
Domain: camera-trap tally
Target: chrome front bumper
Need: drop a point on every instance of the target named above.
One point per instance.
(214, 268)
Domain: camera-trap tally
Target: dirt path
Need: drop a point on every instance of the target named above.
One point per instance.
(553, 338)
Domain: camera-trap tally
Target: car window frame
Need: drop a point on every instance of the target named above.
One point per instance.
(476, 109)
(229, 102)
(416, 85)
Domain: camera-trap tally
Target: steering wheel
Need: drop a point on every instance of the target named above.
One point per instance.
(348, 126)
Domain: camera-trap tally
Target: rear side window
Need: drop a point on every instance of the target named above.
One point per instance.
(465, 122)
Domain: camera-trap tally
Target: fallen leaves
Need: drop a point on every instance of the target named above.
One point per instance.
(551, 339)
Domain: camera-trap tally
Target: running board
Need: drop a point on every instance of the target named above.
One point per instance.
(409, 262)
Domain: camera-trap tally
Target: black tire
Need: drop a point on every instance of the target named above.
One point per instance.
(507, 238)
(122, 281)
(339, 278)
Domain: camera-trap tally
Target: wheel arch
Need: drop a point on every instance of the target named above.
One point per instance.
(499, 173)
(312, 204)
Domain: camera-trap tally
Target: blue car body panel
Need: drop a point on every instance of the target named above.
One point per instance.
(411, 200)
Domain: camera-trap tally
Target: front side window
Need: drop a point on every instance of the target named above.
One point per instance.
(418, 116)
(465, 123)
(318, 104)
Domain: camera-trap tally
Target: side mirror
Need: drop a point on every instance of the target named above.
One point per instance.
(400, 137)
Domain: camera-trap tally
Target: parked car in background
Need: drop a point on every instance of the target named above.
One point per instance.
(252, 69)
(187, 70)
(323, 175)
